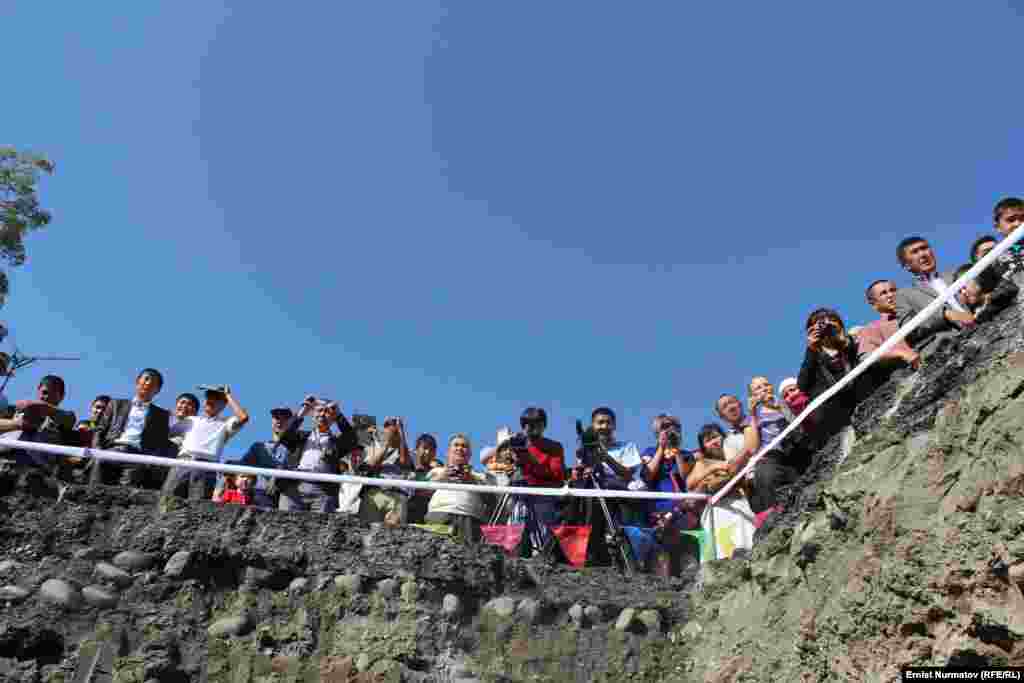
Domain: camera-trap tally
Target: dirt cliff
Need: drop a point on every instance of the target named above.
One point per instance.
(904, 547)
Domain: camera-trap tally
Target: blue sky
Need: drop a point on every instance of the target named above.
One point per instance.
(450, 211)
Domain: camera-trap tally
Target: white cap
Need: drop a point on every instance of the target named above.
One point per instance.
(786, 383)
(504, 434)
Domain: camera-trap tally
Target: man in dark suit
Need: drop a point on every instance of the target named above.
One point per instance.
(134, 425)
(916, 256)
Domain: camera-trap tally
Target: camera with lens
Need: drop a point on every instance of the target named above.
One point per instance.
(675, 439)
(825, 327)
(518, 442)
(460, 471)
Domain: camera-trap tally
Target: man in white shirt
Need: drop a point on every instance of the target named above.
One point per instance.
(204, 439)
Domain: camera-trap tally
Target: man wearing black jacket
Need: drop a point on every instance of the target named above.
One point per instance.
(134, 425)
(318, 450)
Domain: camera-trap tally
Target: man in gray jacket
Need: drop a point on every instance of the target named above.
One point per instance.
(917, 257)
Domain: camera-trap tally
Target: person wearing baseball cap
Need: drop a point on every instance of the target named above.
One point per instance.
(272, 455)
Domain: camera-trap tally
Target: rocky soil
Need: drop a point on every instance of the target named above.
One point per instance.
(119, 585)
(904, 548)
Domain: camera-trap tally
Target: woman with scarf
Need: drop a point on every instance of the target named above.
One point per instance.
(730, 523)
(766, 421)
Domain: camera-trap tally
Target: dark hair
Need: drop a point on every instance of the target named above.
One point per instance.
(719, 400)
(154, 372)
(819, 313)
(1004, 204)
(103, 397)
(55, 380)
(426, 438)
(191, 397)
(977, 243)
(906, 242)
(604, 410)
(534, 414)
(867, 292)
(707, 430)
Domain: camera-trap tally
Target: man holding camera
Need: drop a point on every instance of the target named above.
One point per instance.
(665, 468)
(318, 450)
(610, 464)
(540, 462)
(387, 456)
(616, 460)
(461, 510)
(204, 437)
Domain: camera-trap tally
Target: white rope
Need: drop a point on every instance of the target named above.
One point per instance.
(563, 492)
(892, 341)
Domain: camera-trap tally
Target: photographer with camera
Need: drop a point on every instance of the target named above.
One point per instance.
(831, 354)
(316, 450)
(616, 461)
(606, 463)
(461, 510)
(665, 468)
(387, 456)
(539, 461)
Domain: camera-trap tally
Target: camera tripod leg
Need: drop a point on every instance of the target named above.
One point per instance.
(615, 536)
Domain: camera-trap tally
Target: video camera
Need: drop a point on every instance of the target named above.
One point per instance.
(590, 449)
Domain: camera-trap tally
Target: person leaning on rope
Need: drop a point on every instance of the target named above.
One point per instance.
(766, 421)
(317, 450)
(388, 457)
(424, 461)
(461, 510)
(135, 426)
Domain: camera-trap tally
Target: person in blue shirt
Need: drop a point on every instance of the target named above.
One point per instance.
(665, 466)
(272, 455)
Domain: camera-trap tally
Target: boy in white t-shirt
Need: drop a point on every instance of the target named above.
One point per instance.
(204, 436)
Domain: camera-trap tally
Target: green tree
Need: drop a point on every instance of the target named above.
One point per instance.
(19, 206)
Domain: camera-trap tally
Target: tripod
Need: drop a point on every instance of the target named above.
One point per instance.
(592, 450)
(614, 538)
(546, 544)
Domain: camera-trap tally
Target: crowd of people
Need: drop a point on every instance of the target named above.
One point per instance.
(338, 444)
